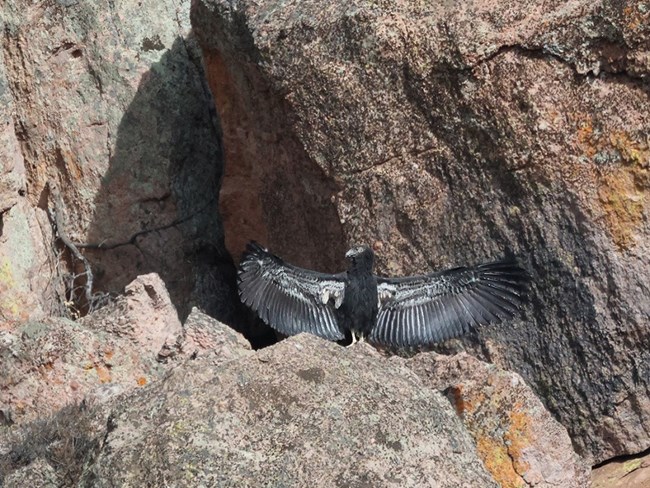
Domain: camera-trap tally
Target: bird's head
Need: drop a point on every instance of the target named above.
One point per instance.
(360, 256)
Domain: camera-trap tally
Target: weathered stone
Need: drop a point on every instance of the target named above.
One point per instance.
(109, 122)
(25, 235)
(203, 335)
(517, 439)
(46, 365)
(144, 314)
(27, 265)
(632, 472)
(38, 473)
(304, 412)
(61, 380)
(12, 166)
(125, 345)
(52, 450)
(445, 134)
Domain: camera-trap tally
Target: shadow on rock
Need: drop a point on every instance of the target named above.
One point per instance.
(157, 208)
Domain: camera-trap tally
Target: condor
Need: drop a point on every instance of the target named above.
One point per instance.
(403, 312)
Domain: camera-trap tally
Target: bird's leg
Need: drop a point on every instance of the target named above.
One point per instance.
(354, 339)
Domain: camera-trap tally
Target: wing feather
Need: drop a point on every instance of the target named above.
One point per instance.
(432, 312)
(421, 310)
(472, 319)
(381, 323)
(410, 323)
(481, 307)
(446, 322)
(421, 329)
(456, 319)
(288, 298)
(497, 303)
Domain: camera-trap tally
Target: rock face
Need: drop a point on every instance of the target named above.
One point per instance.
(304, 412)
(623, 473)
(444, 134)
(61, 380)
(123, 346)
(517, 439)
(144, 314)
(294, 414)
(106, 122)
(25, 290)
(205, 336)
(39, 473)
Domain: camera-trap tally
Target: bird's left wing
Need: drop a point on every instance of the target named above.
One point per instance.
(288, 298)
(422, 310)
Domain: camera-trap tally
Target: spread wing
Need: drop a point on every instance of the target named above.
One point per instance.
(427, 309)
(288, 298)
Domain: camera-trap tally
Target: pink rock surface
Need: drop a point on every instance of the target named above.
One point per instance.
(304, 412)
(517, 439)
(446, 134)
(27, 266)
(144, 314)
(631, 472)
(106, 102)
(126, 345)
(47, 365)
(26, 261)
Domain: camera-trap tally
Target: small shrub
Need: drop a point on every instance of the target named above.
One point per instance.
(66, 440)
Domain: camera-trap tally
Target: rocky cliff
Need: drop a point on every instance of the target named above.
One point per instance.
(109, 143)
(143, 143)
(192, 405)
(447, 134)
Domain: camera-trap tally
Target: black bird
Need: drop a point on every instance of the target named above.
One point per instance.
(403, 312)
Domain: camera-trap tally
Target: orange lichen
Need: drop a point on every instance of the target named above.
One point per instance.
(518, 437)
(632, 152)
(623, 204)
(635, 18)
(456, 393)
(597, 140)
(623, 191)
(502, 446)
(586, 138)
(497, 461)
(142, 381)
(103, 373)
(472, 403)
(463, 403)
(623, 183)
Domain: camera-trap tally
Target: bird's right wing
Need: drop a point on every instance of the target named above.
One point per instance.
(288, 298)
(421, 310)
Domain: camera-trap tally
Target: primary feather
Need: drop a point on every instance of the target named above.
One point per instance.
(288, 298)
(433, 308)
(404, 312)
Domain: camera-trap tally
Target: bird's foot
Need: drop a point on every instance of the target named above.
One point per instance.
(356, 339)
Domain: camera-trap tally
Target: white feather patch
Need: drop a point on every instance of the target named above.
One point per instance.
(328, 293)
(338, 298)
(324, 296)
